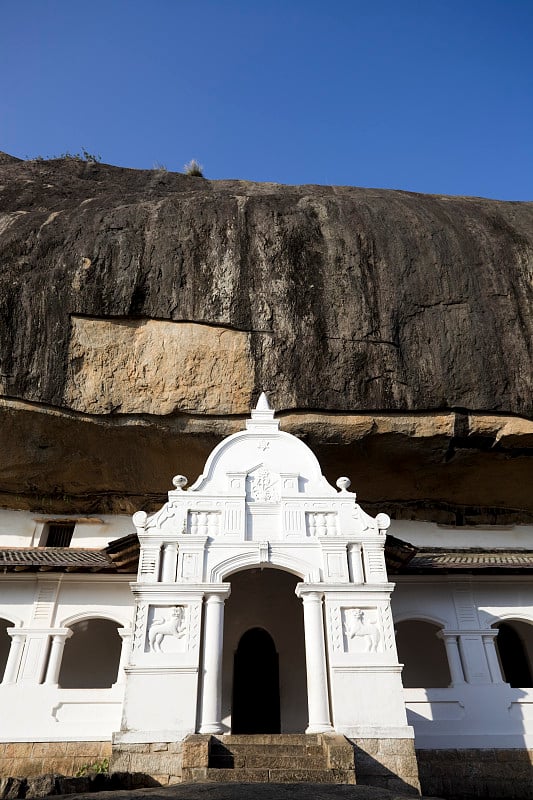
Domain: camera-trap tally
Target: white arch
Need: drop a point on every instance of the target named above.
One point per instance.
(83, 616)
(416, 616)
(509, 616)
(14, 622)
(304, 570)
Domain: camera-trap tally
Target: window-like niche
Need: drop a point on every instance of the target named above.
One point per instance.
(57, 533)
(91, 656)
(423, 655)
(5, 644)
(514, 644)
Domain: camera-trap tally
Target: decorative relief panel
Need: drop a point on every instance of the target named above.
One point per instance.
(321, 523)
(362, 632)
(190, 567)
(168, 511)
(388, 629)
(263, 486)
(233, 518)
(336, 566)
(293, 520)
(203, 523)
(43, 605)
(374, 563)
(149, 562)
(138, 627)
(195, 622)
(335, 628)
(167, 629)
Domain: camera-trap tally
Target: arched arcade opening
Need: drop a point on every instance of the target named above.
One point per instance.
(514, 644)
(92, 655)
(423, 655)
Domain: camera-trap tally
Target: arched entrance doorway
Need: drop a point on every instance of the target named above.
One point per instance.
(264, 635)
(255, 707)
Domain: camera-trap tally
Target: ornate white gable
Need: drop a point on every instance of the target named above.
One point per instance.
(262, 499)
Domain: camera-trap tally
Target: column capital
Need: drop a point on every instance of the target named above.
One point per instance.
(218, 593)
(15, 631)
(309, 592)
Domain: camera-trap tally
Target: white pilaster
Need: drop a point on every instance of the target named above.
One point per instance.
(56, 654)
(474, 657)
(489, 643)
(126, 636)
(170, 562)
(454, 657)
(15, 652)
(315, 657)
(212, 667)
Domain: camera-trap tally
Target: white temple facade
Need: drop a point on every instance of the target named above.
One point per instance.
(262, 504)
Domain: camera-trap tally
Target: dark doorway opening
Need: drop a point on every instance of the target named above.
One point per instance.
(256, 707)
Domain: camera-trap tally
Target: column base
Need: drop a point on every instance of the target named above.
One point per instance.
(318, 727)
(214, 728)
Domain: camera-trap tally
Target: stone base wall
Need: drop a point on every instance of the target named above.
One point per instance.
(387, 763)
(161, 760)
(476, 773)
(26, 759)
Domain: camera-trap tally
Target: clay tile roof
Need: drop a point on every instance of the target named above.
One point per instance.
(57, 559)
(469, 560)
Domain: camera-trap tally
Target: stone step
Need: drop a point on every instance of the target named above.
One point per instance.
(266, 761)
(270, 738)
(294, 750)
(237, 775)
(280, 776)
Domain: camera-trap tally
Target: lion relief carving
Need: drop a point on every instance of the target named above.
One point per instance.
(171, 624)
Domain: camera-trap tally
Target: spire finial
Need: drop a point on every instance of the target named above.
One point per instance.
(262, 420)
(262, 403)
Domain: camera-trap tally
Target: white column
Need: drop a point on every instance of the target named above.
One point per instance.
(454, 657)
(315, 657)
(212, 667)
(56, 654)
(125, 635)
(170, 562)
(15, 652)
(489, 643)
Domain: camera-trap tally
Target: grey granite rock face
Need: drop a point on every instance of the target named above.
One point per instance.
(355, 299)
(124, 291)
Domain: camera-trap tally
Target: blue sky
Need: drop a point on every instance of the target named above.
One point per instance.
(425, 96)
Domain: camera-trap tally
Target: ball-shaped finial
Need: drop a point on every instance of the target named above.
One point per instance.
(139, 519)
(343, 484)
(383, 521)
(179, 481)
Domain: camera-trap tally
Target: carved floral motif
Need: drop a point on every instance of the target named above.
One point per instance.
(264, 486)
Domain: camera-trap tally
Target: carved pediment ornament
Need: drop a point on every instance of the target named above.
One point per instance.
(263, 486)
